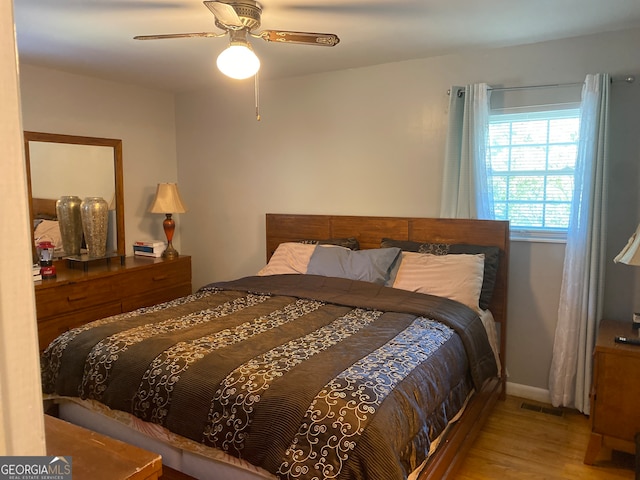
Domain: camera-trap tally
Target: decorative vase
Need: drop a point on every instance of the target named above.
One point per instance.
(70, 222)
(95, 221)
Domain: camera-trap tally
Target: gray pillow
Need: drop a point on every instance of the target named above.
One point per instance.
(373, 265)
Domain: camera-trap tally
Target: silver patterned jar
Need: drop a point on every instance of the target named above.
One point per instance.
(95, 222)
(70, 223)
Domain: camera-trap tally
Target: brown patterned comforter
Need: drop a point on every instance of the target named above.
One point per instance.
(304, 376)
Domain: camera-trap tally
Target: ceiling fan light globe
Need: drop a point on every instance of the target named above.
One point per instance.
(238, 61)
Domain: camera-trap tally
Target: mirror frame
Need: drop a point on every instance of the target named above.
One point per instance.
(116, 144)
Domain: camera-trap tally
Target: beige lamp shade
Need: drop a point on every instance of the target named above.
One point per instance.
(630, 254)
(168, 199)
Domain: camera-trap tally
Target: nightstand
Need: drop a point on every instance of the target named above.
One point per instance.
(615, 392)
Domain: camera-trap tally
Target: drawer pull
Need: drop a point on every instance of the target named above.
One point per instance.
(75, 298)
(160, 277)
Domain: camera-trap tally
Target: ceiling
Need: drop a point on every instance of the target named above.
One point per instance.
(95, 37)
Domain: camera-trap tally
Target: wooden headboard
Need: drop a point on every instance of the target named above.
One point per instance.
(370, 230)
(44, 208)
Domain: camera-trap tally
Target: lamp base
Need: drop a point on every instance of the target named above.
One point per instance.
(169, 226)
(170, 253)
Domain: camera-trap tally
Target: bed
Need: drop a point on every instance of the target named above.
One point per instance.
(305, 372)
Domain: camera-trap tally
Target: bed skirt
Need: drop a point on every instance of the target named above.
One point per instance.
(179, 453)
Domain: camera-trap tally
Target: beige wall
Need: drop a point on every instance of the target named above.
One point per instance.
(59, 102)
(371, 141)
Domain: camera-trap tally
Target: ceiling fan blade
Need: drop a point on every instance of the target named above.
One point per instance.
(307, 38)
(178, 35)
(224, 13)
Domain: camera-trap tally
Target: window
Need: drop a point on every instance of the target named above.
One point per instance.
(531, 169)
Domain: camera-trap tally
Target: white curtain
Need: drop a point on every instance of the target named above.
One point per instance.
(581, 294)
(465, 190)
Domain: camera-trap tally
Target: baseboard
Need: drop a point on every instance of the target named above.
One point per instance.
(528, 392)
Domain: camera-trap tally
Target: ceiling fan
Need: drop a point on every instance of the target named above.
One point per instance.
(239, 19)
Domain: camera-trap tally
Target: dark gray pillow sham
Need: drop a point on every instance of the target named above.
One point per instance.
(351, 243)
(491, 260)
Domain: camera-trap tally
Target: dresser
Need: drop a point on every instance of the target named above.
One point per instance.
(615, 391)
(76, 296)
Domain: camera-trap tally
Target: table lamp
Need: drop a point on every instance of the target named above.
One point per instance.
(168, 201)
(630, 255)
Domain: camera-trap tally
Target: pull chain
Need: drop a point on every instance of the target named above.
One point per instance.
(257, 95)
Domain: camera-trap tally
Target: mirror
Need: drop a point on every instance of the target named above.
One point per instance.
(59, 165)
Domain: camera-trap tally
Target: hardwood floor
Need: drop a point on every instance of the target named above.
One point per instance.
(521, 443)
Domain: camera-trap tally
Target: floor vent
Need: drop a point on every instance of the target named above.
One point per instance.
(542, 409)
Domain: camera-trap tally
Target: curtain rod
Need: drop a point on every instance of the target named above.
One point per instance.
(531, 87)
(626, 78)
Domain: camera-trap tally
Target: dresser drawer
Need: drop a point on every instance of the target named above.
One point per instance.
(74, 296)
(49, 329)
(152, 297)
(157, 277)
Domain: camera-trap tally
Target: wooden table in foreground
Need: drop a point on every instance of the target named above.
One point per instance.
(98, 457)
(615, 412)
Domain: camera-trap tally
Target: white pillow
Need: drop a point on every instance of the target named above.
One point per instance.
(457, 277)
(48, 230)
(289, 257)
